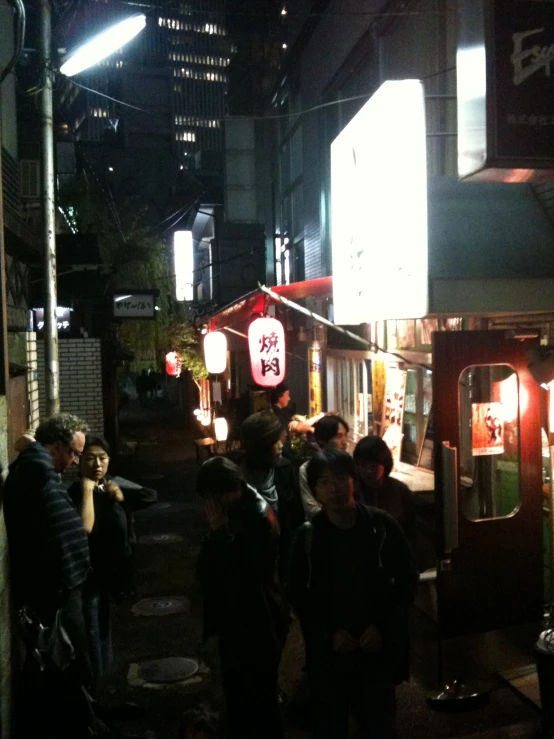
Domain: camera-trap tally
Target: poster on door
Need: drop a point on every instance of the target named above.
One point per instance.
(487, 429)
(393, 411)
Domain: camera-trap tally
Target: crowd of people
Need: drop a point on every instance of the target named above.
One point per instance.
(328, 543)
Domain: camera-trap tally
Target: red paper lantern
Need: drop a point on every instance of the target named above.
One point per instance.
(172, 364)
(266, 342)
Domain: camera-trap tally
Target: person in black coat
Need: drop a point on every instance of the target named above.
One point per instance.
(243, 602)
(352, 580)
(99, 500)
(272, 475)
(375, 487)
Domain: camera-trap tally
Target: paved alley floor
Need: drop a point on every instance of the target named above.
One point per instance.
(160, 454)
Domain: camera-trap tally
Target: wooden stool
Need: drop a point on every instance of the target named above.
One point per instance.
(205, 442)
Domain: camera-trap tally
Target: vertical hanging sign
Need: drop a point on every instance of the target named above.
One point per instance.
(266, 343)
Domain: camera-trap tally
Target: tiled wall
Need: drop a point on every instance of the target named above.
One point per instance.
(32, 380)
(80, 380)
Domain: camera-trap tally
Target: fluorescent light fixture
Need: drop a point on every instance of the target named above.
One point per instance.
(122, 297)
(183, 253)
(379, 208)
(471, 83)
(102, 45)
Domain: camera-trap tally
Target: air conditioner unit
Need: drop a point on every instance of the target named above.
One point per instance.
(30, 179)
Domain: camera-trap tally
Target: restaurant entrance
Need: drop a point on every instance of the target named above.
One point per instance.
(488, 473)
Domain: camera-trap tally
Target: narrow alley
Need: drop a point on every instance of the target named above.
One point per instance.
(164, 621)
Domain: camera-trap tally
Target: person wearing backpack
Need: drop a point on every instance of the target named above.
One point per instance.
(351, 582)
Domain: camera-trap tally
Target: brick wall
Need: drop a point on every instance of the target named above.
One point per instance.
(32, 379)
(80, 380)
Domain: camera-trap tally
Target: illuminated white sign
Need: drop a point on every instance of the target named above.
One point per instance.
(140, 304)
(183, 252)
(379, 208)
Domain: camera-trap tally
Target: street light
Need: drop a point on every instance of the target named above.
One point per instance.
(100, 47)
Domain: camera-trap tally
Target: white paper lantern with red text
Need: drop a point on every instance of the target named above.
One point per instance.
(215, 352)
(266, 343)
(172, 364)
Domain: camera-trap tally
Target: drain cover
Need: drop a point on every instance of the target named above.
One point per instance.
(171, 670)
(160, 539)
(161, 606)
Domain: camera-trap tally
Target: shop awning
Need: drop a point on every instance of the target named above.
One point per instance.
(253, 302)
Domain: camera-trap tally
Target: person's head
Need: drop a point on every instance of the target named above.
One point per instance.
(199, 724)
(280, 396)
(95, 458)
(330, 475)
(331, 432)
(221, 479)
(262, 439)
(64, 437)
(373, 461)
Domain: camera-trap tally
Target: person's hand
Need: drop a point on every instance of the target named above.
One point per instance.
(215, 514)
(343, 643)
(88, 485)
(371, 641)
(114, 491)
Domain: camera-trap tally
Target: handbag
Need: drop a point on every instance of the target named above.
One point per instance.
(50, 644)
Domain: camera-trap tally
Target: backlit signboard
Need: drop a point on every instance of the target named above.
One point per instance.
(134, 304)
(379, 208)
(505, 89)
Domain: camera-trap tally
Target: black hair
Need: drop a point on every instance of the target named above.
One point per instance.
(218, 476)
(278, 392)
(97, 441)
(259, 432)
(374, 449)
(327, 428)
(333, 460)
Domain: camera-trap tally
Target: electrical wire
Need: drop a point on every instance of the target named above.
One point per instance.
(277, 116)
(292, 14)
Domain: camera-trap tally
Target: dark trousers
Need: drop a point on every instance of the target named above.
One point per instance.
(351, 684)
(252, 703)
(72, 618)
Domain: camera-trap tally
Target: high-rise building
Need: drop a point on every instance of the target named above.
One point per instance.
(174, 75)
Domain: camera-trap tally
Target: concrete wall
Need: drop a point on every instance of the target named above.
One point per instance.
(8, 121)
(5, 613)
(80, 380)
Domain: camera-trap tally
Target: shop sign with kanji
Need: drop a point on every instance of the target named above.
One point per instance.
(135, 304)
(266, 343)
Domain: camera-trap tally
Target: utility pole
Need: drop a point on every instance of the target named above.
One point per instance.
(51, 363)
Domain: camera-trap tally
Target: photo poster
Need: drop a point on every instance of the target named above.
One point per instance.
(426, 453)
(393, 411)
(487, 429)
(378, 382)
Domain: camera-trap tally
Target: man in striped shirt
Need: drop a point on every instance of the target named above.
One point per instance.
(48, 545)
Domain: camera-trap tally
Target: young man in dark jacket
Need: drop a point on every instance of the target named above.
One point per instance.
(243, 603)
(351, 582)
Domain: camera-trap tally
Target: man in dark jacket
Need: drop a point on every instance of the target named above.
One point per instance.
(351, 582)
(243, 603)
(48, 546)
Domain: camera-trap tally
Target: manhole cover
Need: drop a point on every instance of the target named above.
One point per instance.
(161, 606)
(170, 670)
(160, 539)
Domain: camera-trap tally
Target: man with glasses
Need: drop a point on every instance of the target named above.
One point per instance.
(48, 544)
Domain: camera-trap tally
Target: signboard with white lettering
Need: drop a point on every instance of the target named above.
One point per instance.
(505, 86)
(134, 304)
(63, 316)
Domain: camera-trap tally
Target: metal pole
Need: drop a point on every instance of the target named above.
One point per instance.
(51, 365)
